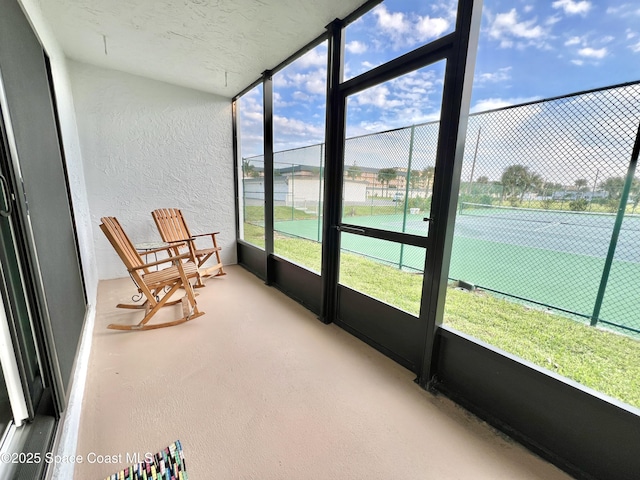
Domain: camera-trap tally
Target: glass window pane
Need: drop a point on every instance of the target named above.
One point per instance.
(541, 186)
(299, 93)
(393, 28)
(387, 271)
(251, 166)
(388, 177)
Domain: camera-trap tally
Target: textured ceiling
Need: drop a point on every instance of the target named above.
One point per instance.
(218, 46)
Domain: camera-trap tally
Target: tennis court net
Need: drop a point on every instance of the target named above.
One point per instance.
(559, 217)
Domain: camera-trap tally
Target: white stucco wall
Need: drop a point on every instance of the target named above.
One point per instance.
(308, 191)
(355, 191)
(147, 145)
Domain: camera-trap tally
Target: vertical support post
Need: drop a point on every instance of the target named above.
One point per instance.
(631, 171)
(371, 195)
(334, 153)
(406, 193)
(320, 184)
(593, 190)
(446, 183)
(238, 170)
(473, 165)
(267, 87)
(293, 192)
(244, 198)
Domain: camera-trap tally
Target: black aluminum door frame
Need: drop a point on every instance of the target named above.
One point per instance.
(459, 70)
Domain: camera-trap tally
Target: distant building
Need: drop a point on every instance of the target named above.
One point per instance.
(573, 195)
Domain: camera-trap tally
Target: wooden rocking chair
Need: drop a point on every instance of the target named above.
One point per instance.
(156, 284)
(173, 229)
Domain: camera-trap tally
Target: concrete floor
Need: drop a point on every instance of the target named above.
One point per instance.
(258, 388)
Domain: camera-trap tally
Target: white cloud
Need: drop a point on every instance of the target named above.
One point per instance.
(250, 122)
(377, 96)
(635, 47)
(313, 58)
(506, 27)
(295, 126)
(314, 82)
(623, 10)
(356, 47)
(607, 39)
(279, 101)
(550, 21)
(578, 62)
(250, 106)
(351, 70)
(317, 85)
(301, 96)
(280, 81)
(592, 52)
(431, 27)
(369, 127)
(528, 8)
(495, 103)
(573, 8)
(408, 30)
(573, 41)
(412, 98)
(391, 21)
(500, 75)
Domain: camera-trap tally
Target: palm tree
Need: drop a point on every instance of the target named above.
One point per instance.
(536, 183)
(248, 170)
(414, 178)
(517, 180)
(613, 186)
(581, 184)
(635, 192)
(354, 171)
(385, 175)
(428, 174)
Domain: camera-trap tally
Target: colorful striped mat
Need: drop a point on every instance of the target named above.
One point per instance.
(165, 465)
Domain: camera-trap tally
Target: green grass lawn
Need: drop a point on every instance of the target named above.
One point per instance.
(605, 361)
(596, 358)
(255, 214)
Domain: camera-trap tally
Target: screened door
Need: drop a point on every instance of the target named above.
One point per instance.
(386, 198)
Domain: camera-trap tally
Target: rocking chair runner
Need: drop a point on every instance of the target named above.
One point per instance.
(173, 229)
(153, 283)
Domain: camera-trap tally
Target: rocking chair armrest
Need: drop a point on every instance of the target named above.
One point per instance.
(182, 240)
(168, 248)
(155, 250)
(164, 260)
(205, 234)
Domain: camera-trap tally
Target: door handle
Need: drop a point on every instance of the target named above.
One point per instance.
(342, 228)
(6, 196)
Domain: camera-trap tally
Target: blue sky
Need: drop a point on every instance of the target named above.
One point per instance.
(528, 50)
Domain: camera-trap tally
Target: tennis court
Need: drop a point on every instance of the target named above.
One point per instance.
(554, 258)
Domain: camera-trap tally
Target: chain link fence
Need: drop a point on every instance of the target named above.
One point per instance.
(540, 187)
(541, 184)
(252, 200)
